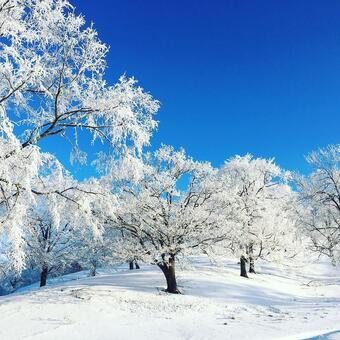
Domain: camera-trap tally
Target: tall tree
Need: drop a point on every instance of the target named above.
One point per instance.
(52, 70)
(52, 78)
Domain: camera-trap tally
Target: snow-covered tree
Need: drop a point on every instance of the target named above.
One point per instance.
(165, 209)
(10, 13)
(60, 217)
(16, 174)
(52, 70)
(50, 248)
(52, 80)
(264, 222)
(97, 250)
(320, 196)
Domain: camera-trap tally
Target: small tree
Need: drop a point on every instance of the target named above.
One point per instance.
(97, 250)
(60, 216)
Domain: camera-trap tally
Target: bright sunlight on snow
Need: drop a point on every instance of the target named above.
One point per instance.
(216, 304)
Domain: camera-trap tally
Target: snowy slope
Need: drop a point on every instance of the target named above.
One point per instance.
(216, 304)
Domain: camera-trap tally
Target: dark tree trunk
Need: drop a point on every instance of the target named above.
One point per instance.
(251, 260)
(43, 275)
(14, 282)
(252, 265)
(133, 264)
(243, 262)
(93, 270)
(168, 270)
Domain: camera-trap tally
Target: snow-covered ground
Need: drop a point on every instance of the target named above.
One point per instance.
(216, 304)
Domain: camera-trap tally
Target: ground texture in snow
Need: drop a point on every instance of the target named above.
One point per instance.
(216, 304)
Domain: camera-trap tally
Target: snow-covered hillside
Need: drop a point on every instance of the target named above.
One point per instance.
(216, 304)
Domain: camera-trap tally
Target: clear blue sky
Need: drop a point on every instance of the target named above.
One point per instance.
(232, 76)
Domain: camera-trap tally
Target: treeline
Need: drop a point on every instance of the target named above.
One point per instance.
(143, 206)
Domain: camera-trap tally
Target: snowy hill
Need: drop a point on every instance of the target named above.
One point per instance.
(216, 304)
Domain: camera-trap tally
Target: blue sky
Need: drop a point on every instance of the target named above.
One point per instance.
(232, 76)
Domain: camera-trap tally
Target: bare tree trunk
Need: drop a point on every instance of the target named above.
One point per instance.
(43, 275)
(251, 260)
(131, 265)
(243, 262)
(137, 265)
(168, 270)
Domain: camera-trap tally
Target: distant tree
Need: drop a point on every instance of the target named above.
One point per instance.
(265, 225)
(97, 250)
(58, 220)
(320, 196)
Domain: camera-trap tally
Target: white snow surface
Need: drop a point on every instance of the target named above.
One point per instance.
(119, 304)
